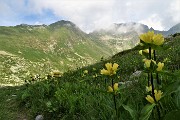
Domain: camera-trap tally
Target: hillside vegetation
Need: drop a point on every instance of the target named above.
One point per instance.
(26, 49)
(82, 93)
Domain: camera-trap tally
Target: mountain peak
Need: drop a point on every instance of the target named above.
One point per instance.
(151, 29)
(63, 23)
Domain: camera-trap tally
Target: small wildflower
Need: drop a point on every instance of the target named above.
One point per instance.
(140, 52)
(85, 71)
(115, 87)
(111, 69)
(150, 99)
(151, 38)
(145, 51)
(148, 89)
(157, 95)
(147, 62)
(110, 89)
(160, 66)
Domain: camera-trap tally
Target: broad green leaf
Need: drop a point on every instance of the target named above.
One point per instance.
(132, 112)
(146, 112)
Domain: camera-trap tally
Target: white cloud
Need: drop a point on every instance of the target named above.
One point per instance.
(153, 21)
(93, 14)
(175, 10)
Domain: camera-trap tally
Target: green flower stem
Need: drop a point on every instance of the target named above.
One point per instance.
(148, 80)
(105, 83)
(157, 77)
(158, 80)
(152, 83)
(114, 97)
(158, 111)
(115, 106)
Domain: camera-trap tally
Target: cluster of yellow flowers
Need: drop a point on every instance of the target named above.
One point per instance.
(151, 38)
(145, 51)
(148, 62)
(157, 95)
(113, 89)
(148, 89)
(111, 69)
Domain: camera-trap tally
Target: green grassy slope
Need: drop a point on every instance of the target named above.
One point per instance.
(26, 49)
(79, 95)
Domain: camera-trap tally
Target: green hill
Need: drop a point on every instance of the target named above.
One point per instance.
(28, 49)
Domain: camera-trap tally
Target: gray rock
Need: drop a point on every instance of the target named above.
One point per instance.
(136, 74)
(39, 117)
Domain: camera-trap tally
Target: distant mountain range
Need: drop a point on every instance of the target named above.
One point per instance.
(38, 49)
(124, 36)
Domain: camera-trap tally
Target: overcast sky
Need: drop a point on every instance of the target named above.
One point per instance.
(91, 14)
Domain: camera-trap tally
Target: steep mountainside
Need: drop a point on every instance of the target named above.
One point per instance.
(174, 29)
(124, 36)
(27, 49)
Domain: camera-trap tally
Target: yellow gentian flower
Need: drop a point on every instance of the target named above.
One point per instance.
(150, 99)
(158, 39)
(147, 51)
(160, 66)
(140, 52)
(111, 69)
(110, 89)
(148, 89)
(147, 63)
(108, 66)
(147, 37)
(115, 87)
(157, 95)
(150, 37)
(105, 72)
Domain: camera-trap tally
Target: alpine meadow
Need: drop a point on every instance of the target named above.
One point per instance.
(59, 72)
